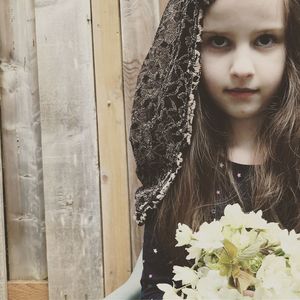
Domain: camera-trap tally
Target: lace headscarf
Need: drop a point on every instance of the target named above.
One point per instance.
(164, 102)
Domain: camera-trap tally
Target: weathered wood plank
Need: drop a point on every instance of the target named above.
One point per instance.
(27, 290)
(140, 19)
(112, 147)
(21, 139)
(3, 271)
(70, 154)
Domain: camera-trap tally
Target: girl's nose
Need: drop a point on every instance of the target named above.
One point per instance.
(242, 65)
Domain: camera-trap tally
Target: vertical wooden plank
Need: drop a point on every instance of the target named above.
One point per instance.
(113, 160)
(140, 19)
(3, 50)
(3, 271)
(21, 139)
(70, 154)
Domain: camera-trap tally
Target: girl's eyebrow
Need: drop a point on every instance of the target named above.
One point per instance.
(215, 32)
(275, 30)
(278, 30)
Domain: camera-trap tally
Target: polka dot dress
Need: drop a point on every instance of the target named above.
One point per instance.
(155, 263)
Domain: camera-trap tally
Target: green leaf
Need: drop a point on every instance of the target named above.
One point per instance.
(231, 249)
(250, 252)
(225, 270)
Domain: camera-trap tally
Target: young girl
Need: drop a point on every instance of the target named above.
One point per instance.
(215, 121)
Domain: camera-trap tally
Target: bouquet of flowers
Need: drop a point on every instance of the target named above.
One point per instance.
(240, 252)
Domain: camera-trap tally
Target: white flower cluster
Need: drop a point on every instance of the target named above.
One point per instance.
(240, 252)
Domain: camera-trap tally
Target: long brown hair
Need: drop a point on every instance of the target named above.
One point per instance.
(275, 183)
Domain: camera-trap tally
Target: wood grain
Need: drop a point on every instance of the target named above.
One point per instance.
(70, 153)
(140, 19)
(112, 142)
(21, 139)
(28, 290)
(3, 53)
(80, 56)
(3, 270)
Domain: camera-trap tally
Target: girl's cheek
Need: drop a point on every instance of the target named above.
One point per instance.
(213, 67)
(275, 65)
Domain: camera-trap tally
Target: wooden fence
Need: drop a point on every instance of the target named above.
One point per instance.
(68, 71)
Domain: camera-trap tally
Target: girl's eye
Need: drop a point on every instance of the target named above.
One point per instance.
(218, 42)
(266, 40)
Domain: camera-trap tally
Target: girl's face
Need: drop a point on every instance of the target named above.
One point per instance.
(243, 48)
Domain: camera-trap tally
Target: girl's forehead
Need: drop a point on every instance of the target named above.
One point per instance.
(256, 15)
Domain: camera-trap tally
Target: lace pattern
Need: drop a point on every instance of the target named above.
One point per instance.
(164, 102)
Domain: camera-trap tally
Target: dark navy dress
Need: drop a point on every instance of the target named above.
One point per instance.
(155, 262)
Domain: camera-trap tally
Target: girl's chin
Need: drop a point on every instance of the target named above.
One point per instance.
(243, 115)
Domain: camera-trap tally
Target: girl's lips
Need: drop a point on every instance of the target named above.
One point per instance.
(242, 93)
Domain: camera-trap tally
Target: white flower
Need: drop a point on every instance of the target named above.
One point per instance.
(243, 238)
(183, 235)
(212, 281)
(278, 276)
(290, 241)
(169, 292)
(231, 294)
(271, 233)
(209, 236)
(194, 252)
(273, 275)
(209, 285)
(236, 218)
(186, 275)
(264, 294)
(233, 216)
(212, 285)
(192, 294)
(294, 261)
(255, 220)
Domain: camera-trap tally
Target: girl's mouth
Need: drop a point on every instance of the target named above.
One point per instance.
(241, 93)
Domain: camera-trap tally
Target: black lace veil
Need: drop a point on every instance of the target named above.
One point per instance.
(164, 102)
